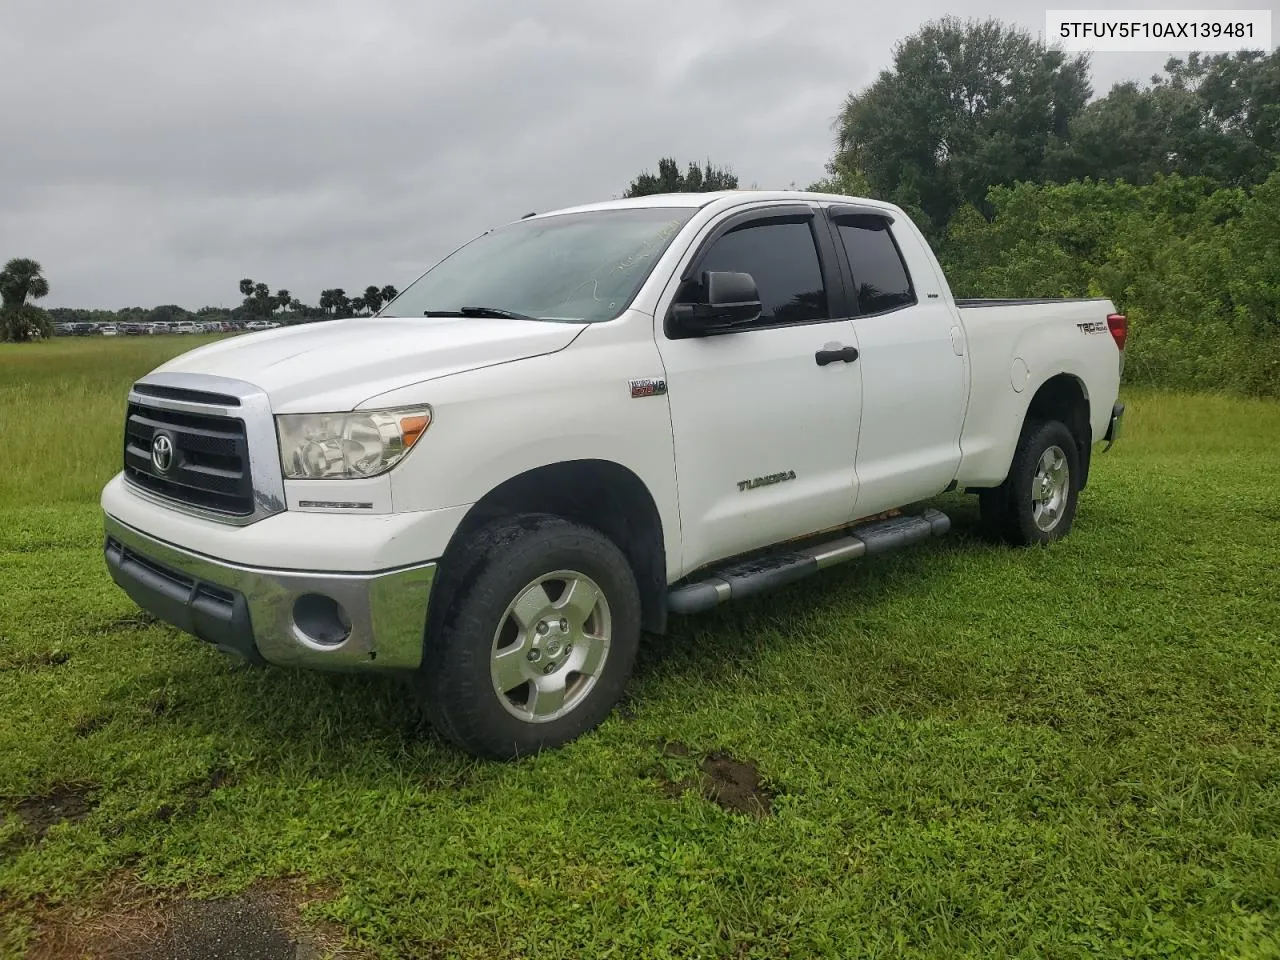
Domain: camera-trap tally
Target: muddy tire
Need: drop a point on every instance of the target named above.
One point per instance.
(1037, 501)
(536, 638)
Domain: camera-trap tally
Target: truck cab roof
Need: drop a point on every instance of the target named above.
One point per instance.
(722, 198)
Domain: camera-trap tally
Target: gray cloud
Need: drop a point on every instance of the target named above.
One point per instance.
(166, 149)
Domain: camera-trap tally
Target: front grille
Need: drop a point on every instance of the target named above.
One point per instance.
(182, 393)
(209, 467)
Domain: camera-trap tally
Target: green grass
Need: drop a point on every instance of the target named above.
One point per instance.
(974, 751)
(62, 412)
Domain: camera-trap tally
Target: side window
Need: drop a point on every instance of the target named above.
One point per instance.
(783, 259)
(879, 272)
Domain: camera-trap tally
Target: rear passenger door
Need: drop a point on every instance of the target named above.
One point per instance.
(914, 378)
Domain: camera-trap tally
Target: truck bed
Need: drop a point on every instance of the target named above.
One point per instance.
(1014, 346)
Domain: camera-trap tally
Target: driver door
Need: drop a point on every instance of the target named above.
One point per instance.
(765, 429)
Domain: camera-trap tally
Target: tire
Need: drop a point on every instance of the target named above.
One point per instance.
(536, 605)
(1037, 502)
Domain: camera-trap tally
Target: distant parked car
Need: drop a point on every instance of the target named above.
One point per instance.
(185, 326)
(108, 330)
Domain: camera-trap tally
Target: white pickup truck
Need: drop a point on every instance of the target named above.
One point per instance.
(581, 422)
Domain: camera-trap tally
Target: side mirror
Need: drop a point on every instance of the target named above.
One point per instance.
(729, 300)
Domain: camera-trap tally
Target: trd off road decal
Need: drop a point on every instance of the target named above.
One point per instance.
(1095, 326)
(648, 387)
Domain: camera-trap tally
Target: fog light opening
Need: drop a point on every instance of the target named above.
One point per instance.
(321, 620)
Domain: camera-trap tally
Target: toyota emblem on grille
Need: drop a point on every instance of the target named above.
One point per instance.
(162, 452)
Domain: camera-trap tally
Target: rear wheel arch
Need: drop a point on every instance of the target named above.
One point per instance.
(1065, 398)
(600, 494)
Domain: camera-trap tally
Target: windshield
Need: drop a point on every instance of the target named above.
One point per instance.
(579, 267)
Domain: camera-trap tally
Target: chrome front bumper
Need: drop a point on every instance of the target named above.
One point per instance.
(284, 617)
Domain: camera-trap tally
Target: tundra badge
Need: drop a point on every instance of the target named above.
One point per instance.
(765, 481)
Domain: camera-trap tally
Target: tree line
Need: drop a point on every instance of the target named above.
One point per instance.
(259, 303)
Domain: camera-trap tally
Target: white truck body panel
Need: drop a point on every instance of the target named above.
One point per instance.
(338, 364)
(1045, 340)
(735, 403)
(508, 419)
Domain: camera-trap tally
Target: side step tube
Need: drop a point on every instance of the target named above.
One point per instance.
(759, 574)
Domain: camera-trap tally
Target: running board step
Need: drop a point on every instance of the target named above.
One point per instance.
(759, 574)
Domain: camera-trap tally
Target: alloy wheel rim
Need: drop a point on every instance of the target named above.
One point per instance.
(550, 646)
(1049, 489)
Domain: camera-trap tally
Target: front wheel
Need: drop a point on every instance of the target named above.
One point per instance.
(1037, 501)
(537, 640)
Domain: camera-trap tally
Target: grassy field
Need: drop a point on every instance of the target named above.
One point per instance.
(966, 750)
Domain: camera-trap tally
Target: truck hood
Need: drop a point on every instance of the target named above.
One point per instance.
(337, 364)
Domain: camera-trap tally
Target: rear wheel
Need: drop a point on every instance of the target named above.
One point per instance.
(537, 639)
(1037, 501)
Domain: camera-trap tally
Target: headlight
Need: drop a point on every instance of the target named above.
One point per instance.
(346, 446)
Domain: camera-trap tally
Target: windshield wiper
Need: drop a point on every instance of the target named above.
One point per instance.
(497, 312)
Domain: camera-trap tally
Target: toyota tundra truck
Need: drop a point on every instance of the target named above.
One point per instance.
(582, 422)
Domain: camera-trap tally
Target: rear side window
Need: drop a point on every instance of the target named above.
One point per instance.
(879, 273)
(783, 259)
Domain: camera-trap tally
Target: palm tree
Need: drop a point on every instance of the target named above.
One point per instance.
(22, 278)
(372, 298)
(334, 301)
(389, 293)
(246, 287)
(282, 299)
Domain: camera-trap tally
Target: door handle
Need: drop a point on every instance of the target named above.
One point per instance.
(839, 355)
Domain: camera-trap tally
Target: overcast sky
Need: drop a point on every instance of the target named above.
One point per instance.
(157, 151)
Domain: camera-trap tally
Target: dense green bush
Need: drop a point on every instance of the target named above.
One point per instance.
(1195, 266)
(22, 322)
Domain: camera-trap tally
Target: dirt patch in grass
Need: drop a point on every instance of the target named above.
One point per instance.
(730, 783)
(735, 785)
(62, 804)
(127, 923)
